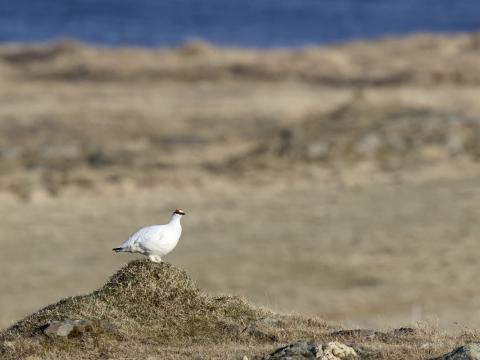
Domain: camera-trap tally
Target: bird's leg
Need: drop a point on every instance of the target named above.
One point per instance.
(154, 258)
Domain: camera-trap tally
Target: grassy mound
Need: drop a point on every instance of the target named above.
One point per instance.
(155, 311)
(150, 306)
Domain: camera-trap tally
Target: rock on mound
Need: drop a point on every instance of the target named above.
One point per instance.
(388, 135)
(143, 303)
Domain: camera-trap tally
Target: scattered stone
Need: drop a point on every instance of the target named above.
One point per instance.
(336, 350)
(76, 328)
(466, 352)
(308, 350)
(59, 328)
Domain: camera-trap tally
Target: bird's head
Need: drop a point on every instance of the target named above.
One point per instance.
(179, 212)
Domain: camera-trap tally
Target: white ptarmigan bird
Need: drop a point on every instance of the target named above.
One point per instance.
(155, 241)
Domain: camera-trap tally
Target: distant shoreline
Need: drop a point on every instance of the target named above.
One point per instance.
(237, 46)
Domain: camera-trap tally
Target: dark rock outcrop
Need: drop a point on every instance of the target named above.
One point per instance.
(466, 352)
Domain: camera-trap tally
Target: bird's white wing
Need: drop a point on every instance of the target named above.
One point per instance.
(152, 238)
(136, 241)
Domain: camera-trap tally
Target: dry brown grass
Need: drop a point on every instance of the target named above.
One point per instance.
(156, 310)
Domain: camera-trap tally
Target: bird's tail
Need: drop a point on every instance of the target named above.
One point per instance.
(118, 249)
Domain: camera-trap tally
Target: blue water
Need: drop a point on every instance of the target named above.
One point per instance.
(253, 23)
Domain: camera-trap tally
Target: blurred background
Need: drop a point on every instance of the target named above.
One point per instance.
(326, 152)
